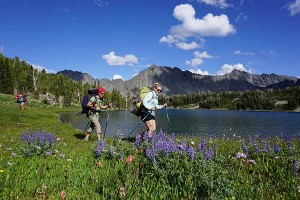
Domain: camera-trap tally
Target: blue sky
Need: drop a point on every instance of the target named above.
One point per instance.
(119, 38)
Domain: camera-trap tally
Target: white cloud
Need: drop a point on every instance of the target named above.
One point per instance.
(112, 59)
(40, 68)
(210, 25)
(117, 76)
(187, 46)
(240, 17)
(227, 68)
(241, 53)
(194, 62)
(193, 28)
(1, 48)
(169, 39)
(204, 54)
(217, 3)
(198, 60)
(199, 71)
(293, 7)
(100, 3)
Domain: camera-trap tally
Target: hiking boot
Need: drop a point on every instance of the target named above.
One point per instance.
(86, 139)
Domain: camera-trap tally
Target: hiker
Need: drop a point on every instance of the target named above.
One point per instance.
(20, 100)
(149, 104)
(96, 104)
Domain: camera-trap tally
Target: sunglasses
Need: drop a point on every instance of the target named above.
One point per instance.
(159, 90)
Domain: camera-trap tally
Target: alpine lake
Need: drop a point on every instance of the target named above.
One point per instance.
(196, 123)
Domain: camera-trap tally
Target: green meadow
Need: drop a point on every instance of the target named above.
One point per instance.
(43, 158)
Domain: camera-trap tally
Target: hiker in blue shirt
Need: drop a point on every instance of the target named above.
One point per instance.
(149, 105)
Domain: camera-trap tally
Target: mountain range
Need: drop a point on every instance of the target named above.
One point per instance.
(175, 81)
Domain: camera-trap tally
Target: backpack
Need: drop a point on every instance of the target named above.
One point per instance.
(24, 98)
(135, 108)
(91, 92)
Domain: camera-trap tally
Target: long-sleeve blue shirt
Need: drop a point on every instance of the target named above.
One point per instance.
(150, 101)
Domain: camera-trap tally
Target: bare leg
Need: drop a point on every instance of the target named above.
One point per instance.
(151, 125)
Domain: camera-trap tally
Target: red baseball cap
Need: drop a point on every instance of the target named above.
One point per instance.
(101, 90)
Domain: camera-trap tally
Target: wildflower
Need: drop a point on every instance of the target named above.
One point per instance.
(99, 163)
(192, 143)
(191, 153)
(112, 151)
(245, 148)
(129, 159)
(202, 145)
(241, 155)
(13, 154)
(48, 153)
(232, 198)
(138, 138)
(122, 191)
(1, 170)
(100, 148)
(62, 155)
(69, 160)
(208, 154)
(252, 162)
(38, 148)
(42, 193)
(63, 194)
(9, 163)
(295, 167)
(8, 149)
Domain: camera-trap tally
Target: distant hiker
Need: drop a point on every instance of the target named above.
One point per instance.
(20, 100)
(96, 104)
(149, 104)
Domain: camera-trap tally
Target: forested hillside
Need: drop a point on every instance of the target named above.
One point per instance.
(17, 75)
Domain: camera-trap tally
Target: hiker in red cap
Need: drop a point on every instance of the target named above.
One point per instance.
(96, 104)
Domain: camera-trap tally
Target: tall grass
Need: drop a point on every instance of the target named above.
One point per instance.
(42, 158)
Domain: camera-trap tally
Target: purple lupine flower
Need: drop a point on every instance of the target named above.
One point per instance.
(49, 138)
(191, 152)
(244, 147)
(184, 145)
(256, 149)
(208, 154)
(100, 148)
(48, 153)
(277, 149)
(138, 138)
(295, 167)
(150, 153)
(112, 152)
(202, 145)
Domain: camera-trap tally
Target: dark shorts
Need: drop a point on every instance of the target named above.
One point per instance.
(149, 117)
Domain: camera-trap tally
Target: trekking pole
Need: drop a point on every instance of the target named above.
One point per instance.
(106, 123)
(138, 124)
(87, 126)
(169, 124)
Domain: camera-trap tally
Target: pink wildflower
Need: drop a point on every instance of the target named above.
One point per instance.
(129, 159)
(63, 194)
(99, 163)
